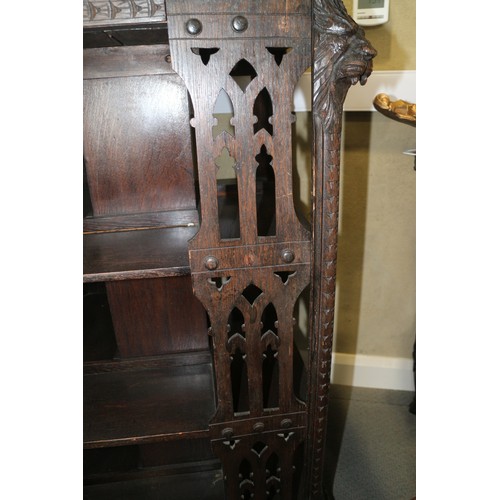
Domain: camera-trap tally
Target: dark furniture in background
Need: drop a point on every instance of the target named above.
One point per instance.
(193, 387)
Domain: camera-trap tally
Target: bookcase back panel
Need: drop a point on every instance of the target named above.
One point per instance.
(137, 150)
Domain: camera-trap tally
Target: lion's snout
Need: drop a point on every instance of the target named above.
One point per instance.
(367, 50)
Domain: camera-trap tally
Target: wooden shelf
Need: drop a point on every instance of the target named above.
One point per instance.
(136, 253)
(125, 34)
(146, 404)
(204, 485)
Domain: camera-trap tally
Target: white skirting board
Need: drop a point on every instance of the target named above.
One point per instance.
(377, 372)
(396, 84)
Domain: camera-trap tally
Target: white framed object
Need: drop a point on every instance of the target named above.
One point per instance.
(370, 12)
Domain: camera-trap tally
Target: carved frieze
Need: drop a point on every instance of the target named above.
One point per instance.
(112, 12)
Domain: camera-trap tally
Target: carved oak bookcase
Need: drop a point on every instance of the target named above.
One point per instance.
(193, 385)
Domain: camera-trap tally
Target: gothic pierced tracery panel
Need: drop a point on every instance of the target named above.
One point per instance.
(257, 81)
(253, 52)
(266, 468)
(250, 260)
(252, 326)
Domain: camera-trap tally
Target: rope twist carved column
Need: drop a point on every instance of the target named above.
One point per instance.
(342, 56)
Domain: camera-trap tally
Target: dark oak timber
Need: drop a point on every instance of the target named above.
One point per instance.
(147, 405)
(146, 316)
(136, 121)
(342, 57)
(195, 260)
(205, 485)
(137, 253)
(249, 283)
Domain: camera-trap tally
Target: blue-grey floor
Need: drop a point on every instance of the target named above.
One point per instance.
(371, 444)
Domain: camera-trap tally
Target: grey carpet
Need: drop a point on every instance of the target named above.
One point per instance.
(370, 450)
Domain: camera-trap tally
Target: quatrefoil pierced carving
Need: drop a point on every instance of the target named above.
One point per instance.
(278, 53)
(285, 275)
(219, 283)
(204, 54)
(286, 435)
(232, 443)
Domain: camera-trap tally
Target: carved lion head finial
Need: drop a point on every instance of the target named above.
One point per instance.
(343, 56)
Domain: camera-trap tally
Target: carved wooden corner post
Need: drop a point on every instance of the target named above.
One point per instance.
(341, 57)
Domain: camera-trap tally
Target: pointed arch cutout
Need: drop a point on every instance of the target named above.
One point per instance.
(273, 481)
(270, 378)
(270, 364)
(263, 110)
(228, 203)
(235, 323)
(223, 113)
(272, 466)
(236, 345)
(245, 469)
(265, 194)
(269, 320)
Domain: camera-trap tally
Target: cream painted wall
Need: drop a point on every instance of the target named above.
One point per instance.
(375, 304)
(375, 308)
(375, 311)
(395, 40)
